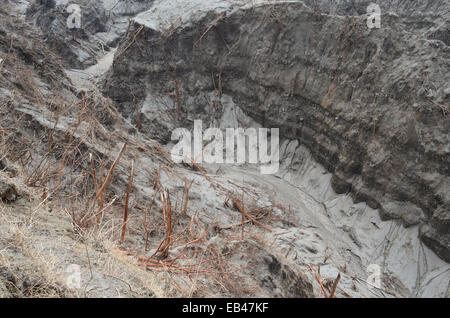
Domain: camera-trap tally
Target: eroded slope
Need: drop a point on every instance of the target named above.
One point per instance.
(369, 103)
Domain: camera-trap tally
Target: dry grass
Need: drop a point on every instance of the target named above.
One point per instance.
(39, 276)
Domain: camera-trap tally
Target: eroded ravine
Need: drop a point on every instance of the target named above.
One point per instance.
(285, 66)
(274, 65)
(327, 228)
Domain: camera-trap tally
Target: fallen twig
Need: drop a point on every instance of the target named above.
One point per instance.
(242, 210)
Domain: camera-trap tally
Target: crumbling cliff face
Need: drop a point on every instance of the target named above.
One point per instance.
(58, 140)
(102, 25)
(370, 104)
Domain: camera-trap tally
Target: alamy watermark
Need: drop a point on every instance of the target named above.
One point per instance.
(74, 19)
(190, 147)
(374, 278)
(73, 280)
(374, 18)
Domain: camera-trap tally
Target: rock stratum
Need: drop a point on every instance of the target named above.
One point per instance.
(370, 104)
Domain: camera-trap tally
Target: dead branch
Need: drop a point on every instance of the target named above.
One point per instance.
(146, 229)
(238, 206)
(106, 182)
(186, 195)
(94, 175)
(110, 172)
(319, 281)
(443, 108)
(125, 211)
(139, 30)
(163, 248)
(336, 282)
(215, 23)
